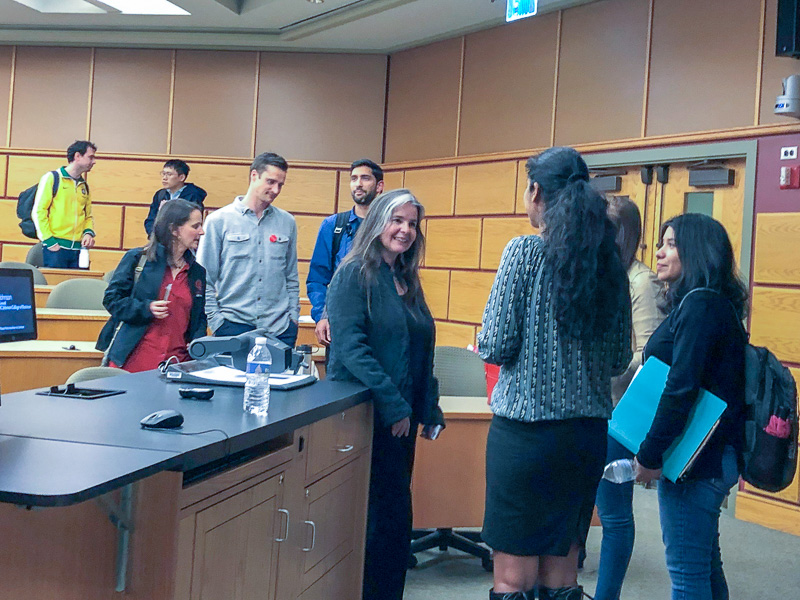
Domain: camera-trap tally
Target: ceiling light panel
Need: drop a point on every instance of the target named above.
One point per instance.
(62, 6)
(146, 7)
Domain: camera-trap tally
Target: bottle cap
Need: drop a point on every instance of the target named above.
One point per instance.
(261, 341)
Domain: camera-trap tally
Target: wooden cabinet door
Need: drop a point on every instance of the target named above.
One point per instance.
(236, 547)
(334, 506)
(342, 581)
(335, 439)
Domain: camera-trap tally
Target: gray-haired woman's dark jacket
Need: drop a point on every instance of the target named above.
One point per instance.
(371, 346)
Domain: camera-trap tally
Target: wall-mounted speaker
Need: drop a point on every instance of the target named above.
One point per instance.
(787, 38)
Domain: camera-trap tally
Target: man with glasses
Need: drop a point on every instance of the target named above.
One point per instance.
(173, 185)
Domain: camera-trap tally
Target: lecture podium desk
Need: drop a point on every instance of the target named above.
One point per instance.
(55, 276)
(70, 323)
(43, 363)
(449, 474)
(276, 502)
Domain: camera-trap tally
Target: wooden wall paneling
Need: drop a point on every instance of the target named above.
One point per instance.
(434, 188)
(768, 513)
(6, 57)
(470, 291)
(486, 188)
(776, 233)
(393, 180)
(104, 260)
(15, 252)
(773, 70)
(41, 117)
(601, 72)
(454, 243)
(454, 334)
(133, 233)
(701, 52)
(126, 182)
(522, 118)
(436, 286)
(107, 225)
(497, 233)
(344, 199)
(222, 182)
(130, 100)
(214, 103)
(302, 273)
(775, 321)
(522, 184)
(309, 191)
(3, 173)
(25, 171)
(307, 229)
(307, 108)
(9, 223)
(422, 113)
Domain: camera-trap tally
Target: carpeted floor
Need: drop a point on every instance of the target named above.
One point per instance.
(759, 563)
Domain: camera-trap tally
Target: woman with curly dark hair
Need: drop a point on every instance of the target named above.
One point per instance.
(703, 341)
(558, 322)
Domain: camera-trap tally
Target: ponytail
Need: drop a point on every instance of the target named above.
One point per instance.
(589, 281)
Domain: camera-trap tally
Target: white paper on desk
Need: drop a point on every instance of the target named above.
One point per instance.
(305, 319)
(235, 376)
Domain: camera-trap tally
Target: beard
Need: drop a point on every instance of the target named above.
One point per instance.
(367, 199)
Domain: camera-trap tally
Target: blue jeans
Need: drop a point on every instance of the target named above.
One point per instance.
(60, 259)
(690, 530)
(288, 337)
(615, 509)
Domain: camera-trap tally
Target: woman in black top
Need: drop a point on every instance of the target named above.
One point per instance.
(382, 335)
(703, 342)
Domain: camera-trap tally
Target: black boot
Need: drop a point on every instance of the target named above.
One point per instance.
(563, 593)
(530, 595)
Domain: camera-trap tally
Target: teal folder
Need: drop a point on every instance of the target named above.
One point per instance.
(636, 410)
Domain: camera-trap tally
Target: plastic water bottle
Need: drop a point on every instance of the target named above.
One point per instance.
(619, 471)
(83, 258)
(256, 387)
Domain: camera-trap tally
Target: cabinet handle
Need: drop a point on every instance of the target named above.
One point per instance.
(313, 536)
(285, 531)
(347, 448)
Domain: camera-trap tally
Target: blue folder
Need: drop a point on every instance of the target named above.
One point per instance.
(636, 410)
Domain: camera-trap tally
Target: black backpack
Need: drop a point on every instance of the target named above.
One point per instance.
(25, 207)
(770, 390)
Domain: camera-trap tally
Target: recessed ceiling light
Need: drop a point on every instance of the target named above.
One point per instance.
(146, 7)
(62, 6)
(316, 1)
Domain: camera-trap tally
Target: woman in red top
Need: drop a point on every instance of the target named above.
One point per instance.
(155, 315)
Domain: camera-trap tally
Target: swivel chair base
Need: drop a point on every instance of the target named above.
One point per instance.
(444, 538)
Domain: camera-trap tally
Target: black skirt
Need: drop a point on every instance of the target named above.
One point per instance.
(541, 483)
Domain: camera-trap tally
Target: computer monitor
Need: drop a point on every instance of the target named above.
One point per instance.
(17, 305)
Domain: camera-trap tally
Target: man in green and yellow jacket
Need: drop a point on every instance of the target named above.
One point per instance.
(64, 221)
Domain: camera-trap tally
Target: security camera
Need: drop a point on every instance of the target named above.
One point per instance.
(788, 103)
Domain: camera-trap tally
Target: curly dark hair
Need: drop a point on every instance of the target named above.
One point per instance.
(707, 261)
(589, 282)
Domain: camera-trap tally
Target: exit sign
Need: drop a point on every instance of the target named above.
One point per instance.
(519, 9)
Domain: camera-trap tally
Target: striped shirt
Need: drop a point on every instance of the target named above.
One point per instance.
(545, 374)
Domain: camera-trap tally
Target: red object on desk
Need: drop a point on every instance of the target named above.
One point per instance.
(492, 373)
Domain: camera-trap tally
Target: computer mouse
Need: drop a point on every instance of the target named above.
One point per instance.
(162, 419)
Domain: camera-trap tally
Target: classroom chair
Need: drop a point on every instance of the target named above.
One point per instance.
(89, 373)
(35, 256)
(78, 293)
(38, 277)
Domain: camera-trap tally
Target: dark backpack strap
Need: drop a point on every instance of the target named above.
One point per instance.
(56, 181)
(339, 229)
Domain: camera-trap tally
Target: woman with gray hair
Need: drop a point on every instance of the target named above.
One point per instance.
(382, 335)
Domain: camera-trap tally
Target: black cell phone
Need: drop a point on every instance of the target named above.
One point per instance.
(196, 393)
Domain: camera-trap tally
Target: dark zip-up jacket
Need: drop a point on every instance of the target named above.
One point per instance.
(130, 305)
(370, 345)
(190, 192)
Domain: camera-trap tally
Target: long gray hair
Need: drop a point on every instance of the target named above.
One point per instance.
(367, 245)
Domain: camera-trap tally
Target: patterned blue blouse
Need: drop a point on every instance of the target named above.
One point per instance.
(545, 374)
